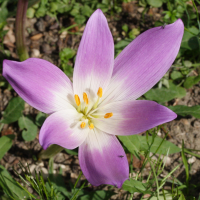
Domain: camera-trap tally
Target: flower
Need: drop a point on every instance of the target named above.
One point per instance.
(101, 101)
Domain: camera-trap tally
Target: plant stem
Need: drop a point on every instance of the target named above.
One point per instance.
(20, 29)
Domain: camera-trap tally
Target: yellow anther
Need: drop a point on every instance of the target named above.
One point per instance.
(83, 124)
(77, 99)
(100, 92)
(108, 115)
(91, 126)
(85, 98)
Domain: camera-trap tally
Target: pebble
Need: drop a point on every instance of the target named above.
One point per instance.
(159, 133)
(192, 160)
(167, 160)
(46, 48)
(63, 34)
(40, 25)
(197, 143)
(196, 123)
(35, 53)
(45, 173)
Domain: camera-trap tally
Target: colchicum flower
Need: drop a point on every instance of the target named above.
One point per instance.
(101, 101)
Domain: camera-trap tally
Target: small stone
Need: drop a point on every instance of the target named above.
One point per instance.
(140, 10)
(196, 123)
(41, 164)
(63, 34)
(46, 48)
(45, 173)
(40, 25)
(35, 53)
(197, 143)
(167, 160)
(159, 133)
(191, 160)
(32, 169)
(54, 26)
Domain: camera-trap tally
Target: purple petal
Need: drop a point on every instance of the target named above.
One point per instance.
(103, 160)
(95, 57)
(132, 117)
(144, 61)
(40, 83)
(63, 128)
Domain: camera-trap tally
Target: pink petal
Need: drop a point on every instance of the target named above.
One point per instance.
(40, 83)
(103, 160)
(144, 61)
(132, 117)
(63, 128)
(95, 57)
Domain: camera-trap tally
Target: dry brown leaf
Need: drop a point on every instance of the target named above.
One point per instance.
(37, 36)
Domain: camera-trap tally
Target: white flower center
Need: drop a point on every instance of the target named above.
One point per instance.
(83, 108)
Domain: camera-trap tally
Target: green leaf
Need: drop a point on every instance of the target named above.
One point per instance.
(75, 11)
(133, 186)
(136, 143)
(86, 10)
(190, 81)
(188, 63)
(73, 152)
(3, 11)
(42, 9)
(32, 3)
(165, 94)
(190, 41)
(155, 3)
(97, 195)
(185, 110)
(103, 7)
(13, 111)
(129, 143)
(166, 196)
(182, 197)
(66, 54)
(58, 181)
(80, 19)
(176, 75)
(125, 28)
(122, 44)
(40, 118)
(5, 144)
(17, 192)
(30, 13)
(30, 131)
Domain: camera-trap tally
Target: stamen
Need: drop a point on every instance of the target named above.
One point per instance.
(77, 99)
(91, 126)
(108, 115)
(85, 98)
(100, 92)
(83, 124)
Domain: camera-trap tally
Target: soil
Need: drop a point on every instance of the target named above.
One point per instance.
(44, 41)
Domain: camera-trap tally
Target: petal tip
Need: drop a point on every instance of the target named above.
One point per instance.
(174, 115)
(119, 184)
(5, 64)
(178, 25)
(99, 10)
